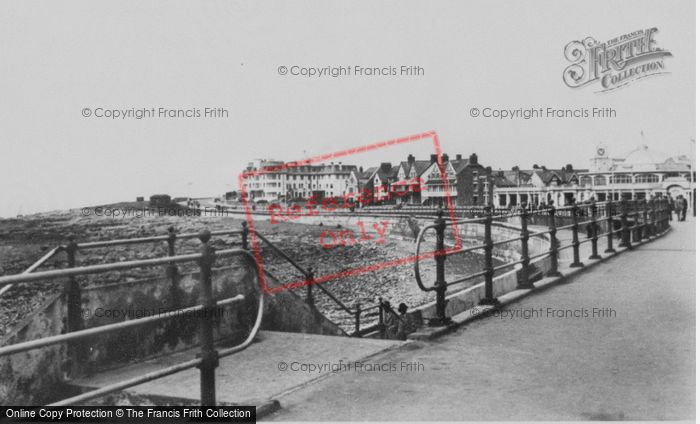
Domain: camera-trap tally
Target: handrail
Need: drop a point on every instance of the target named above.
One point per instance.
(209, 359)
(649, 217)
(174, 368)
(307, 273)
(115, 266)
(109, 328)
(279, 251)
(335, 299)
(419, 240)
(34, 266)
(136, 240)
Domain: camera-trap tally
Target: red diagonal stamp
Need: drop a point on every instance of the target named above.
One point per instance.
(365, 231)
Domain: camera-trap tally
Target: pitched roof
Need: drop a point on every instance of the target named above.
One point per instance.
(385, 175)
(421, 166)
(368, 173)
(460, 164)
(405, 166)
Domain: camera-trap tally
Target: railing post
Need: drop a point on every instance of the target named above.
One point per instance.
(358, 311)
(594, 233)
(575, 243)
(440, 283)
(553, 245)
(244, 235)
(74, 318)
(625, 233)
(171, 270)
(209, 355)
(635, 227)
(524, 280)
(309, 286)
(652, 217)
(381, 318)
(657, 217)
(611, 225)
(646, 225)
(663, 205)
(489, 298)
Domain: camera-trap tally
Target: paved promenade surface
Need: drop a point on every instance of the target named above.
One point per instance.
(637, 362)
(247, 377)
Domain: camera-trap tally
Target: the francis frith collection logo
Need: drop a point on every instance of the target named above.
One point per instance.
(615, 63)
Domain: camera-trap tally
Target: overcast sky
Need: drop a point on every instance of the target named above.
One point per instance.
(61, 57)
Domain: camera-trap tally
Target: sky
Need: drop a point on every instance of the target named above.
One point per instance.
(59, 58)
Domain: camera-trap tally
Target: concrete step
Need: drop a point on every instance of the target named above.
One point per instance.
(255, 376)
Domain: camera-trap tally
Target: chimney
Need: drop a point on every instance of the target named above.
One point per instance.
(385, 167)
(433, 158)
(459, 157)
(445, 158)
(361, 170)
(473, 159)
(516, 168)
(569, 168)
(411, 160)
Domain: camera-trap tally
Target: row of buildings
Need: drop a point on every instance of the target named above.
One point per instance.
(641, 174)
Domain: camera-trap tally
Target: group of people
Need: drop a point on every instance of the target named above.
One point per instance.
(680, 205)
(396, 326)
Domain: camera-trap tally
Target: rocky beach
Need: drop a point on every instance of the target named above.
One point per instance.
(24, 240)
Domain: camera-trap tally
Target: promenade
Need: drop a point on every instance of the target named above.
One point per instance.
(615, 342)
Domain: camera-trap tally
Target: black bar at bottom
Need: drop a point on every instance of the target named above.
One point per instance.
(127, 414)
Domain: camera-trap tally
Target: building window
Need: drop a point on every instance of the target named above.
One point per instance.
(586, 180)
(622, 179)
(600, 180)
(646, 178)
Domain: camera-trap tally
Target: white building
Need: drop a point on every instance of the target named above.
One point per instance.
(641, 174)
(300, 182)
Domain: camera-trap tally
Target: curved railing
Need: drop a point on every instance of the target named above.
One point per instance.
(209, 356)
(648, 218)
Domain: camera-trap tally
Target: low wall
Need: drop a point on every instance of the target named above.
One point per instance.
(468, 298)
(28, 378)
(112, 303)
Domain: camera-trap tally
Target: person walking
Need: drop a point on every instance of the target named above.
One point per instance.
(684, 207)
(677, 207)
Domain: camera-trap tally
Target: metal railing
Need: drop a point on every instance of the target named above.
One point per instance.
(50, 254)
(208, 358)
(638, 220)
(355, 312)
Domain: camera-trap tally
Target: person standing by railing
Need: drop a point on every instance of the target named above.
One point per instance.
(390, 322)
(405, 325)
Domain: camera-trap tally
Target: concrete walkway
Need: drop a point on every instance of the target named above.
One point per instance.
(249, 377)
(616, 342)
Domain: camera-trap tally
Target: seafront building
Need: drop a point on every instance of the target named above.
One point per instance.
(286, 183)
(641, 174)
